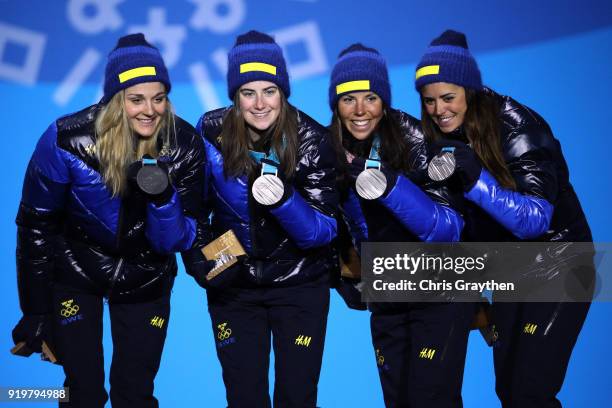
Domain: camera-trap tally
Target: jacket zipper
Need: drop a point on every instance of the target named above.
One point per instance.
(115, 275)
(120, 261)
(252, 225)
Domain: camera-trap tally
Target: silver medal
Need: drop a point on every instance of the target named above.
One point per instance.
(151, 179)
(442, 166)
(268, 189)
(371, 184)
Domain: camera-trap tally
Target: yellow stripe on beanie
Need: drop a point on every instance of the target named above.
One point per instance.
(351, 86)
(135, 73)
(428, 70)
(257, 66)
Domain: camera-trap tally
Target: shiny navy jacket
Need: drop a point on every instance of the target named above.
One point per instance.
(545, 206)
(288, 244)
(413, 210)
(73, 232)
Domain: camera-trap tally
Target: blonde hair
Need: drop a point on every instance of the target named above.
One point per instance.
(117, 146)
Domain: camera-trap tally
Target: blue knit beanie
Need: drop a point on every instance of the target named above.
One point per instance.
(359, 68)
(133, 61)
(256, 57)
(447, 59)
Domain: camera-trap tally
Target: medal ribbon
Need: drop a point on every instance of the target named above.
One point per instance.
(374, 157)
(266, 168)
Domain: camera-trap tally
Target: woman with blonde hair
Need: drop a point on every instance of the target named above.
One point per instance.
(110, 193)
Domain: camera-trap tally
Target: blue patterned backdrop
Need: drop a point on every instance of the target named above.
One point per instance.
(554, 56)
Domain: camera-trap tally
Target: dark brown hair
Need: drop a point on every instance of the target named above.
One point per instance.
(235, 140)
(393, 148)
(481, 126)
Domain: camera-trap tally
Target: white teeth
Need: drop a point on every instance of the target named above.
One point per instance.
(360, 122)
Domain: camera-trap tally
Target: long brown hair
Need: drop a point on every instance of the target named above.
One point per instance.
(117, 146)
(481, 126)
(235, 140)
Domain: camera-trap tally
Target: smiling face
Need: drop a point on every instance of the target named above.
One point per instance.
(360, 113)
(260, 104)
(145, 105)
(445, 104)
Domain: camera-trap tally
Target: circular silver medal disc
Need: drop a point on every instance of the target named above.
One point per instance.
(371, 184)
(268, 189)
(442, 166)
(151, 179)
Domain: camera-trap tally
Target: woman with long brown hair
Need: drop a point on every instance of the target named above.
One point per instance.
(384, 198)
(271, 181)
(515, 180)
(111, 192)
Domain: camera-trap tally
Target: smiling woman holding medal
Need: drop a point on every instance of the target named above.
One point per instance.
(384, 198)
(111, 192)
(270, 180)
(512, 173)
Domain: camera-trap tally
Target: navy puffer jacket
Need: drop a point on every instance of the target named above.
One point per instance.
(72, 231)
(545, 206)
(289, 244)
(414, 210)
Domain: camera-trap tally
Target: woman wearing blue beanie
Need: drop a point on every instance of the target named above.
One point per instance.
(270, 180)
(420, 347)
(513, 175)
(110, 193)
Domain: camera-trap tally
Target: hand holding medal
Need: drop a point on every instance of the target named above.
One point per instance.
(455, 157)
(151, 178)
(269, 188)
(442, 166)
(370, 179)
